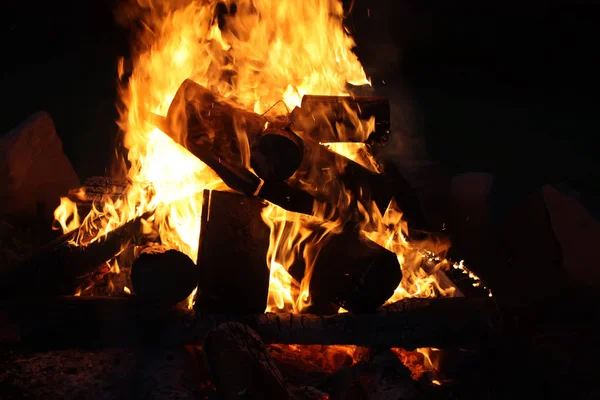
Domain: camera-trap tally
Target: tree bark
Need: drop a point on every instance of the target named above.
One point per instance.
(241, 366)
(410, 323)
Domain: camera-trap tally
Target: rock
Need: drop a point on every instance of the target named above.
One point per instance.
(578, 233)
(34, 171)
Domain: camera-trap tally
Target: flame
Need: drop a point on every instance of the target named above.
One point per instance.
(257, 53)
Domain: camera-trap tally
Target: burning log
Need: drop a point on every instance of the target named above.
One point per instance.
(355, 273)
(334, 118)
(410, 323)
(59, 267)
(198, 117)
(234, 276)
(240, 364)
(350, 270)
(163, 277)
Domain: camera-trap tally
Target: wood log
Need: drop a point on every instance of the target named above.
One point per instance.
(354, 273)
(59, 267)
(200, 117)
(111, 321)
(240, 365)
(349, 271)
(232, 255)
(319, 117)
(163, 277)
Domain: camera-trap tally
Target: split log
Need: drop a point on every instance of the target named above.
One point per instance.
(200, 117)
(59, 267)
(240, 365)
(163, 277)
(232, 255)
(409, 324)
(349, 271)
(335, 118)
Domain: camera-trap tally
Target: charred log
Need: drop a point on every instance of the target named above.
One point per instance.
(198, 117)
(60, 267)
(239, 362)
(410, 323)
(163, 277)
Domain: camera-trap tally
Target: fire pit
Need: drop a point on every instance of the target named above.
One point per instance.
(258, 231)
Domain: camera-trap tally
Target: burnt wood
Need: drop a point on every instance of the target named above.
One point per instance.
(199, 117)
(163, 277)
(111, 321)
(239, 362)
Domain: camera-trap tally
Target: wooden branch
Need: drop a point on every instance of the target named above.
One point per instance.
(349, 271)
(240, 364)
(410, 323)
(162, 276)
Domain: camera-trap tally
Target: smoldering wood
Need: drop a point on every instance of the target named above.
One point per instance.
(319, 115)
(59, 268)
(239, 362)
(199, 117)
(163, 277)
(114, 322)
(232, 255)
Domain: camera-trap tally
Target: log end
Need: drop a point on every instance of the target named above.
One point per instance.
(163, 277)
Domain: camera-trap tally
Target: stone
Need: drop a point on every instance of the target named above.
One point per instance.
(34, 171)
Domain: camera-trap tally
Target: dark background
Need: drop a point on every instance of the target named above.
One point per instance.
(506, 88)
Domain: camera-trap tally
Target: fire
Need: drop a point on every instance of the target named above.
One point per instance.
(259, 54)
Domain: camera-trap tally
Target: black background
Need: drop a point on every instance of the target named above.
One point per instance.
(502, 87)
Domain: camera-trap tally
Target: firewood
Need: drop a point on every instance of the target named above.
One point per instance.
(276, 153)
(350, 270)
(200, 117)
(409, 324)
(58, 268)
(232, 257)
(354, 273)
(163, 277)
(318, 115)
(240, 365)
